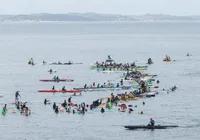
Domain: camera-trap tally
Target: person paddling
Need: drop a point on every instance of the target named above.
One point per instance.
(46, 101)
(54, 106)
(151, 123)
(50, 71)
(63, 88)
(109, 57)
(16, 96)
(69, 100)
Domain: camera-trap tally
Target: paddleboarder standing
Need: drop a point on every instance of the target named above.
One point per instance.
(17, 95)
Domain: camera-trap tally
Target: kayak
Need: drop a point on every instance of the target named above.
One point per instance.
(149, 63)
(109, 61)
(69, 63)
(63, 91)
(103, 89)
(150, 127)
(59, 80)
(148, 95)
(166, 60)
(117, 69)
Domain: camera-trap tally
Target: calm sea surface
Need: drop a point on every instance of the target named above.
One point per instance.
(89, 42)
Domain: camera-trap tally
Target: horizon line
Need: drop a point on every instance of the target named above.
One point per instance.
(99, 14)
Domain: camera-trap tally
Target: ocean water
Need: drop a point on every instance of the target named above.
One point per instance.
(88, 42)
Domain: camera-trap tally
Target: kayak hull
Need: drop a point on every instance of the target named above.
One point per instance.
(132, 127)
(60, 80)
(54, 63)
(63, 91)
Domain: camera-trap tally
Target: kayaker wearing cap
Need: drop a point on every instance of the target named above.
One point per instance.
(152, 122)
(16, 96)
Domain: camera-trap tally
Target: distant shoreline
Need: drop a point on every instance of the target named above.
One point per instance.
(93, 17)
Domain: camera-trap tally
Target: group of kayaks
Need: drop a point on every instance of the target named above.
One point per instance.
(31, 62)
(110, 65)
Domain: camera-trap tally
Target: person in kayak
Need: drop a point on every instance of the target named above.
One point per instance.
(53, 88)
(64, 104)
(55, 77)
(117, 85)
(94, 84)
(152, 122)
(63, 88)
(17, 95)
(51, 71)
(54, 106)
(121, 82)
(56, 110)
(150, 61)
(69, 100)
(44, 62)
(30, 62)
(46, 101)
(85, 86)
(102, 110)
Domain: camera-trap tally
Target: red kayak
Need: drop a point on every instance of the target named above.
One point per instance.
(59, 80)
(63, 91)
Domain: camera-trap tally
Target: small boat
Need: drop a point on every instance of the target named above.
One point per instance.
(132, 127)
(63, 91)
(59, 80)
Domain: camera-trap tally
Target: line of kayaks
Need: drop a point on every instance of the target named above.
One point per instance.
(117, 69)
(105, 88)
(58, 63)
(58, 80)
(132, 127)
(62, 91)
